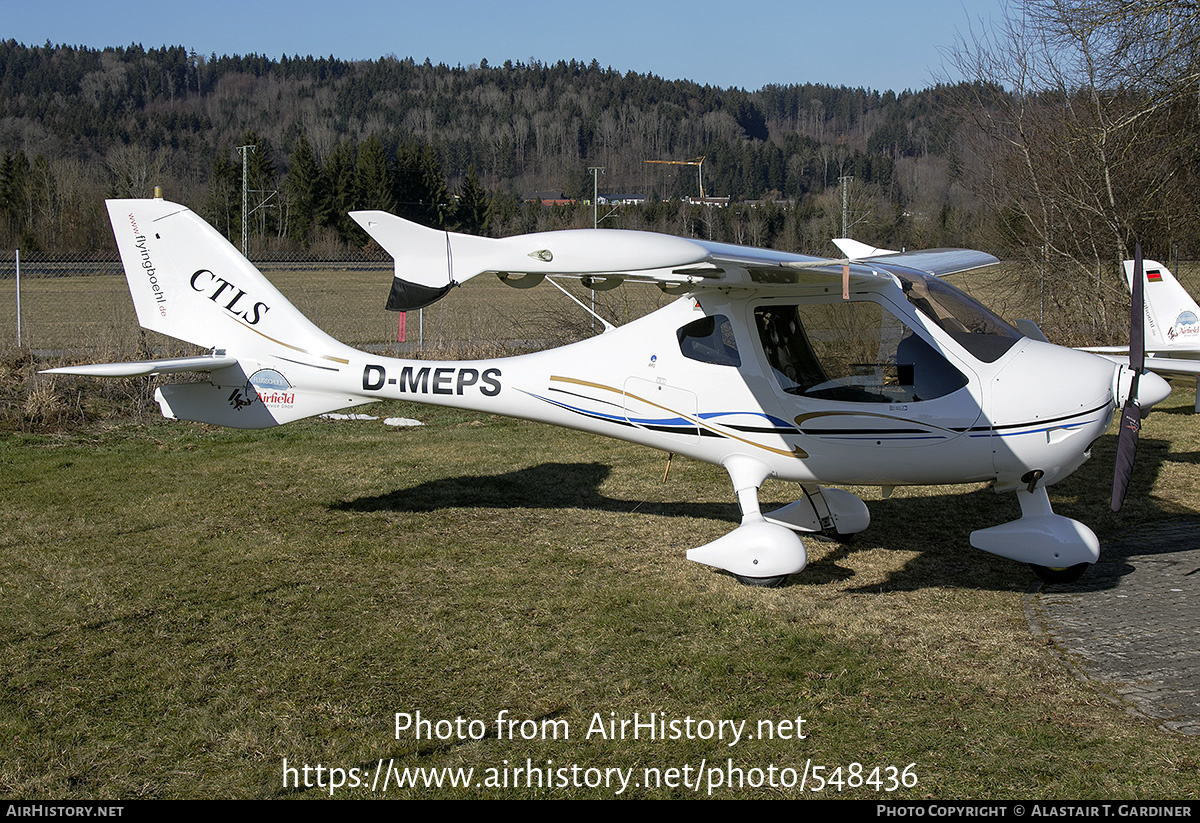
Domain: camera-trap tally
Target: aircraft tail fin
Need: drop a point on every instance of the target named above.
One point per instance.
(1172, 316)
(190, 283)
(268, 363)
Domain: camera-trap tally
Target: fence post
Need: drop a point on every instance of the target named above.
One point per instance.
(18, 253)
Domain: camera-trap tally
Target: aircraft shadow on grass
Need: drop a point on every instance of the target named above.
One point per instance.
(547, 486)
(937, 527)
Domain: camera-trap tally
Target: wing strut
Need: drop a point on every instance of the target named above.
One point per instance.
(607, 326)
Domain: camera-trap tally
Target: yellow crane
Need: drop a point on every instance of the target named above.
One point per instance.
(698, 162)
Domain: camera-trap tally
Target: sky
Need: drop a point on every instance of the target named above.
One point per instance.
(870, 43)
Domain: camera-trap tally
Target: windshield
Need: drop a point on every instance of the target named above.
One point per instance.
(974, 327)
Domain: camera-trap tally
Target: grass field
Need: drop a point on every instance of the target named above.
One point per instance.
(184, 609)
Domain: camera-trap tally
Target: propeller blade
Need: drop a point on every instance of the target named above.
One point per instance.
(1131, 412)
(1137, 316)
(1127, 440)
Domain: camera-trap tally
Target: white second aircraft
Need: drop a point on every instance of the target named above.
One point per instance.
(823, 372)
(1171, 322)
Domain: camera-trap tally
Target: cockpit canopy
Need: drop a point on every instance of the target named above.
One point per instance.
(859, 351)
(853, 351)
(973, 326)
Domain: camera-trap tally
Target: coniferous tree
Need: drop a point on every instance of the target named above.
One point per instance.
(436, 194)
(471, 210)
(16, 205)
(374, 177)
(340, 192)
(421, 193)
(303, 189)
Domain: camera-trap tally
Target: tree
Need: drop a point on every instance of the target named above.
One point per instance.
(338, 188)
(134, 171)
(421, 193)
(222, 207)
(1085, 133)
(16, 201)
(374, 177)
(303, 190)
(471, 211)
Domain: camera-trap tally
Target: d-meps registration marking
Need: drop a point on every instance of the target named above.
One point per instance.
(429, 380)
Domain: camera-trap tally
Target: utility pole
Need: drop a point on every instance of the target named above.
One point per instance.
(18, 298)
(245, 150)
(246, 191)
(596, 172)
(845, 204)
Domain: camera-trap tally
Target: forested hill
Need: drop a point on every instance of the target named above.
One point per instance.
(78, 124)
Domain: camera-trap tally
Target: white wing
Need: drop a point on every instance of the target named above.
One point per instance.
(429, 261)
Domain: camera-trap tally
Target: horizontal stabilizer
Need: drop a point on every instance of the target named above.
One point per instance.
(938, 262)
(859, 251)
(147, 368)
(245, 406)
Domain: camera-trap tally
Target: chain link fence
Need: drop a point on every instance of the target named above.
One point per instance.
(77, 308)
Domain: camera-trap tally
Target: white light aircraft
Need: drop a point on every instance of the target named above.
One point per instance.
(870, 371)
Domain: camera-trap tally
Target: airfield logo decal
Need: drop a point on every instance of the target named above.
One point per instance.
(1186, 325)
(271, 387)
(267, 386)
(241, 398)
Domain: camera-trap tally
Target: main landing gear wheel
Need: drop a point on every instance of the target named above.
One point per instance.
(762, 582)
(1064, 574)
